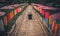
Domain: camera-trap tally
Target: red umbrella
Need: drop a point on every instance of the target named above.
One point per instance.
(47, 15)
(42, 12)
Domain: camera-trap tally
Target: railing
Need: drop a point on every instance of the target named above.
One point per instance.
(15, 31)
(52, 24)
(11, 23)
(46, 29)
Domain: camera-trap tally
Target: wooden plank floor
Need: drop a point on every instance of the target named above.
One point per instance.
(26, 27)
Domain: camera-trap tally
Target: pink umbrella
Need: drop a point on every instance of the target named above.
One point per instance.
(7, 7)
(56, 16)
(2, 13)
(45, 7)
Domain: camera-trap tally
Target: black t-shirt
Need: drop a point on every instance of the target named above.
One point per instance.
(30, 15)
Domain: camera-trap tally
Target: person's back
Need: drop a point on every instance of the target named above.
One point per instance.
(29, 3)
(30, 16)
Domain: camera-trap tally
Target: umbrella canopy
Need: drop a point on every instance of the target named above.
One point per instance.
(56, 16)
(2, 13)
(7, 7)
(45, 7)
